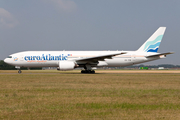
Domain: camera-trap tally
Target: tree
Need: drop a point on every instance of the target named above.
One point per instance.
(4, 66)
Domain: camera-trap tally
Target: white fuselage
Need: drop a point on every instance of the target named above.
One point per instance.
(69, 60)
(52, 58)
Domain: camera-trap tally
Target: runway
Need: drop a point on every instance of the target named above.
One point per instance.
(97, 71)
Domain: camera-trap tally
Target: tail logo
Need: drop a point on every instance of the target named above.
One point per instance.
(153, 46)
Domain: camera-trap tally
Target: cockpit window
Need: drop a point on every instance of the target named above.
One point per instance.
(9, 56)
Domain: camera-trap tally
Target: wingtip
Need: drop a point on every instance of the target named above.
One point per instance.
(171, 52)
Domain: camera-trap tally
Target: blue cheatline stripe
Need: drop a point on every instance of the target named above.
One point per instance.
(158, 39)
(153, 50)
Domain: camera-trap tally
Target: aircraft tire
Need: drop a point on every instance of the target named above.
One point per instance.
(19, 71)
(88, 71)
(93, 71)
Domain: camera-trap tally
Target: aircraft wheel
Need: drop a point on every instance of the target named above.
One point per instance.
(93, 71)
(19, 71)
(88, 71)
(83, 71)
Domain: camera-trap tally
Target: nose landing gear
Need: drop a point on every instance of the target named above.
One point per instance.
(19, 71)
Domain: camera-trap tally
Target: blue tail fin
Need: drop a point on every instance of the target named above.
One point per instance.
(153, 43)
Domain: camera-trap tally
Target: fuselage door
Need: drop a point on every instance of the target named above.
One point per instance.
(21, 57)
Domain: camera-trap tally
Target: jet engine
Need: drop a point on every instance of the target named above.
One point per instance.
(66, 65)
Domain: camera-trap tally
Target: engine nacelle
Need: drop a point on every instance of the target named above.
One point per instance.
(66, 65)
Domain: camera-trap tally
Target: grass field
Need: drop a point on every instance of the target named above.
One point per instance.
(105, 95)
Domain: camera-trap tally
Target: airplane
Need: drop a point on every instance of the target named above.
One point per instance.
(88, 61)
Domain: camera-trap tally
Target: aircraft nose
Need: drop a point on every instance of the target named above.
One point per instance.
(6, 60)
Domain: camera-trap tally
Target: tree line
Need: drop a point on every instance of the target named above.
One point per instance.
(4, 66)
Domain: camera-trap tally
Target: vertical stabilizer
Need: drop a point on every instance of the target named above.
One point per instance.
(153, 43)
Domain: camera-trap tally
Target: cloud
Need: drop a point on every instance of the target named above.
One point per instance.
(65, 5)
(6, 19)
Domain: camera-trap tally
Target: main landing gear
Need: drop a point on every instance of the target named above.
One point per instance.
(88, 71)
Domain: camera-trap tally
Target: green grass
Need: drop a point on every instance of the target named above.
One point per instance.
(70, 95)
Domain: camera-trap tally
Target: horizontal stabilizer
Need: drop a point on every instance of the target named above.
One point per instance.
(158, 55)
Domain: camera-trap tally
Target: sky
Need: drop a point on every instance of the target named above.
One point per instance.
(88, 25)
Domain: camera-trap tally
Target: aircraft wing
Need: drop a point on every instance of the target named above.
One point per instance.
(159, 54)
(99, 58)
